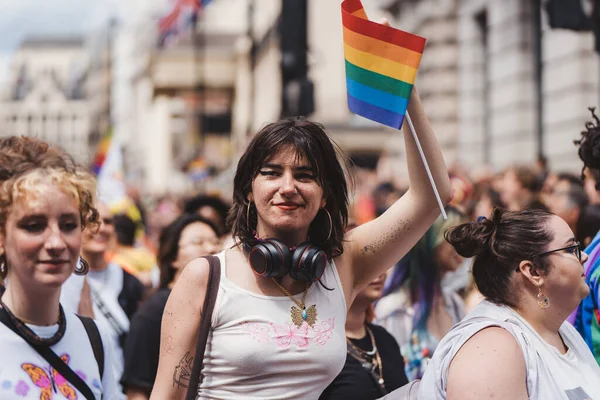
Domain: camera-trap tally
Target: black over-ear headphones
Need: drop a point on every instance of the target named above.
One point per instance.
(271, 258)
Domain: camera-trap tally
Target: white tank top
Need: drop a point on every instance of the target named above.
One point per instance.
(255, 351)
(550, 374)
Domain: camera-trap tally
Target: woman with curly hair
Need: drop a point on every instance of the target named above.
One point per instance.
(45, 204)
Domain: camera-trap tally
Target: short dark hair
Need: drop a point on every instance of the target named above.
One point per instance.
(326, 160)
(168, 244)
(499, 244)
(576, 194)
(573, 179)
(125, 229)
(194, 204)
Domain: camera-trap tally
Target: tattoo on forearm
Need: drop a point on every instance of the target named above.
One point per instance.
(183, 371)
(390, 236)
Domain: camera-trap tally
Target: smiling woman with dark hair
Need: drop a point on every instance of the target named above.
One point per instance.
(188, 237)
(285, 286)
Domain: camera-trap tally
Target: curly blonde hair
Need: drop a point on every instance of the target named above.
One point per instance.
(26, 163)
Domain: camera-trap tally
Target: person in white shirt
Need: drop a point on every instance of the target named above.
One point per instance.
(516, 344)
(45, 204)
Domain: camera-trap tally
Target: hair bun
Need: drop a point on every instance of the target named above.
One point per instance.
(473, 238)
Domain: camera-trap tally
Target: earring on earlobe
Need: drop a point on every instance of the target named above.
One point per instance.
(542, 300)
(82, 267)
(3, 266)
(248, 217)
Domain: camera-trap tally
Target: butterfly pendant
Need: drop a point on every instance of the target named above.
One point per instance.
(307, 314)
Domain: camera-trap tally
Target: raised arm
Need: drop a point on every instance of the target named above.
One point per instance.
(179, 332)
(376, 246)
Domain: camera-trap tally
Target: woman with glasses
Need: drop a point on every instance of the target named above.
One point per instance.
(516, 344)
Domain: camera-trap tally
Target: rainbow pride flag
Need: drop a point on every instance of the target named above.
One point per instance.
(381, 66)
(101, 152)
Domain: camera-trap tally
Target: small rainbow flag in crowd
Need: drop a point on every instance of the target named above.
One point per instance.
(101, 152)
(381, 66)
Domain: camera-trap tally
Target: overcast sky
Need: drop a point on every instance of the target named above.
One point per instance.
(20, 18)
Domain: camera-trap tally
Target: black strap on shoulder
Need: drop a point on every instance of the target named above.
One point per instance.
(96, 340)
(55, 361)
(212, 289)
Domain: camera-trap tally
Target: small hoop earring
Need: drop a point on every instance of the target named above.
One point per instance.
(330, 230)
(542, 300)
(82, 267)
(3, 266)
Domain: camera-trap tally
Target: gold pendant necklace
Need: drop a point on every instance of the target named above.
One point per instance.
(301, 313)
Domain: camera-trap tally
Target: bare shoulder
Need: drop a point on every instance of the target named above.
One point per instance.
(190, 287)
(492, 352)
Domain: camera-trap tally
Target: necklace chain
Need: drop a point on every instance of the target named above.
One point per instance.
(302, 304)
(363, 356)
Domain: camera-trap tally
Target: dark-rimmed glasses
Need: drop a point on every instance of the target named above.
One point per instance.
(575, 248)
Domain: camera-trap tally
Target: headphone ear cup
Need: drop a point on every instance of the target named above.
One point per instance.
(308, 263)
(270, 259)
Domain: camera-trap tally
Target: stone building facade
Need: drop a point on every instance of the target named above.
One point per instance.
(500, 86)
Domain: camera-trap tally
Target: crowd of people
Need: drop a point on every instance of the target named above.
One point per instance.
(323, 293)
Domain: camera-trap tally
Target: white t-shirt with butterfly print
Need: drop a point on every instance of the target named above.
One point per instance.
(24, 374)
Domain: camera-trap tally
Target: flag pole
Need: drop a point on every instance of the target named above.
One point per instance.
(435, 191)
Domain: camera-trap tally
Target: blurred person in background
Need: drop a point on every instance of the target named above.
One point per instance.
(516, 344)
(188, 237)
(521, 186)
(586, 319)
(567, 199)
(210, 207)
(483, 201)
(415, 308)
(374, 365)
(588, 224)
(133, 258)
(115, 293)
(46, 201)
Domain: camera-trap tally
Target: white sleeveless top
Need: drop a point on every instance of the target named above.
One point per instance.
(550, 374)
(255, 351)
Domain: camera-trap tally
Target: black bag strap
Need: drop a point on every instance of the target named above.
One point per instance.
(212, 289)
(54, 360)
(96, 340)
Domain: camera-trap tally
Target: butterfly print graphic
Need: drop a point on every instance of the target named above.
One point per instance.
(324, 331)
(50, 381)
(287, 333)
(257, 331)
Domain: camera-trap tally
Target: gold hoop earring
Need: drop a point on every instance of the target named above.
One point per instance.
(82, 267)
(313, 237)
(248, 217)
(542, 300)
